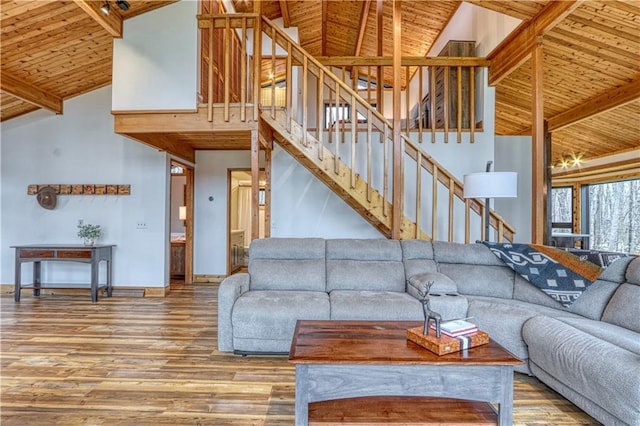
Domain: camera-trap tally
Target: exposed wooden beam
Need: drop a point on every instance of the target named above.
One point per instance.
(30, 93)
(112, 22)
(516, 49)
(364, 14)
(617, 97)
(324, 27)
(398, 145)
(538, 167)
(413, 61)
(284, 10)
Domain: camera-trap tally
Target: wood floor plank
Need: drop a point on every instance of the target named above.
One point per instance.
(153, 361)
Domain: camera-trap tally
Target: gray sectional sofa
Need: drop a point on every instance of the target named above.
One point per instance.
(589, 352)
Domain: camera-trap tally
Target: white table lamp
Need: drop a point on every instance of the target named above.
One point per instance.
(490, 185)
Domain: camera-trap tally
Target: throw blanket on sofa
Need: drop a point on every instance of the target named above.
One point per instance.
(561, 274)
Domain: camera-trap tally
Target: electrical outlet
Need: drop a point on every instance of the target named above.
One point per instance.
(80, 222)
(141, 225)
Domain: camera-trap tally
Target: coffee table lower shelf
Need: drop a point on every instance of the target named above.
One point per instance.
(401, 410)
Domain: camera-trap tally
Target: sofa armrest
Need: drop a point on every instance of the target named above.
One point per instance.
(230, 289)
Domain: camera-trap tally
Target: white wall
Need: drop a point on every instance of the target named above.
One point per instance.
(80, 147)
(155, 64)
(303, 206)
(513, 154)
(210, 227)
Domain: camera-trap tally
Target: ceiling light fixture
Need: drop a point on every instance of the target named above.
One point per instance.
(105, 8)
(122, 4)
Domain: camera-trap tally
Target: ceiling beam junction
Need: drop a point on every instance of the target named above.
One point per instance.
(284, 10)
(364, 15)
(30, 93)
(517, 48)
(324, 27)
(111, 22)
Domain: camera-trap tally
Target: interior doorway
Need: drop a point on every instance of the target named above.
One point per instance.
(181, 224)
(239, 218)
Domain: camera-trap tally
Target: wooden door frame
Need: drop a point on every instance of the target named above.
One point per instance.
(189, 173)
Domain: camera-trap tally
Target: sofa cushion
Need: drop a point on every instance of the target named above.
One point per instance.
(374, 265)
(595, 368)
(619, 336)
(268, 318)
(480, 280)
(633, 271)
(624, 307)
(374, 305)
(287, 264)
(470, 254)
(417, 256)
(441, 284)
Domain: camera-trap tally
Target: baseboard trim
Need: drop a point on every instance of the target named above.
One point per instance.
(118, 291)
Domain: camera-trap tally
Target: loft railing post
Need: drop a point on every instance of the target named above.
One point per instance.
(257, 58)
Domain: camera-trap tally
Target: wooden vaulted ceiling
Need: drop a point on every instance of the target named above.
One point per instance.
(58, 49)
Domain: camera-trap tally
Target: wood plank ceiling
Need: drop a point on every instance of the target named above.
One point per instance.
(57, 50)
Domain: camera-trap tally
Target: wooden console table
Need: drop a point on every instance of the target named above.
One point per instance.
(38, 253)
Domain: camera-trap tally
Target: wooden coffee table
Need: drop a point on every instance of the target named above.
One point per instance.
(347, 359)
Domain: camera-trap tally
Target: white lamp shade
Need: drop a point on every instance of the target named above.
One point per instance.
(491, 185)
(182, 212)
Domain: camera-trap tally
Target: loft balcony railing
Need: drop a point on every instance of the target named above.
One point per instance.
(329, 117)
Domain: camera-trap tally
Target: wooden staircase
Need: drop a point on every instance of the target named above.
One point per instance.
(337, 175)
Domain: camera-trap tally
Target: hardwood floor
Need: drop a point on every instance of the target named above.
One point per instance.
(152, 361)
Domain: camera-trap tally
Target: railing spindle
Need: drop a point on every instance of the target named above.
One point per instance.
(472, 104)
(407, 100)
(243, 72)
(432, 98)
(273, 74)
(385, 183)
(369, 160)
(452, 189)
(305, 83)
(354, 136)
(420, 104)
(319, 132)
(227, 65)
(445, 105)
(289, 77)
(418, 193)
(210, 77)
(459, 103)
(336, 163)
(434, 204)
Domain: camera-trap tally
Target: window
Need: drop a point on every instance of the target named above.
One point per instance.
(562, 209)
(336, 113)
(333, 114)
(614, 216)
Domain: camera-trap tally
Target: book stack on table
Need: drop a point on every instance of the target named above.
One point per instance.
(457, 335)
(456, 328)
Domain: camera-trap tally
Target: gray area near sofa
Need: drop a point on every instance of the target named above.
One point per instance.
(588, 352)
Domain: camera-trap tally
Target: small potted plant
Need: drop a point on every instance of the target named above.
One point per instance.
(90, 233)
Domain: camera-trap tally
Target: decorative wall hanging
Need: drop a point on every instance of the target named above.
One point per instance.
(46, 197)
(78, 189)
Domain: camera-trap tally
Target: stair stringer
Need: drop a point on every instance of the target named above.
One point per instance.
(320, 161)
